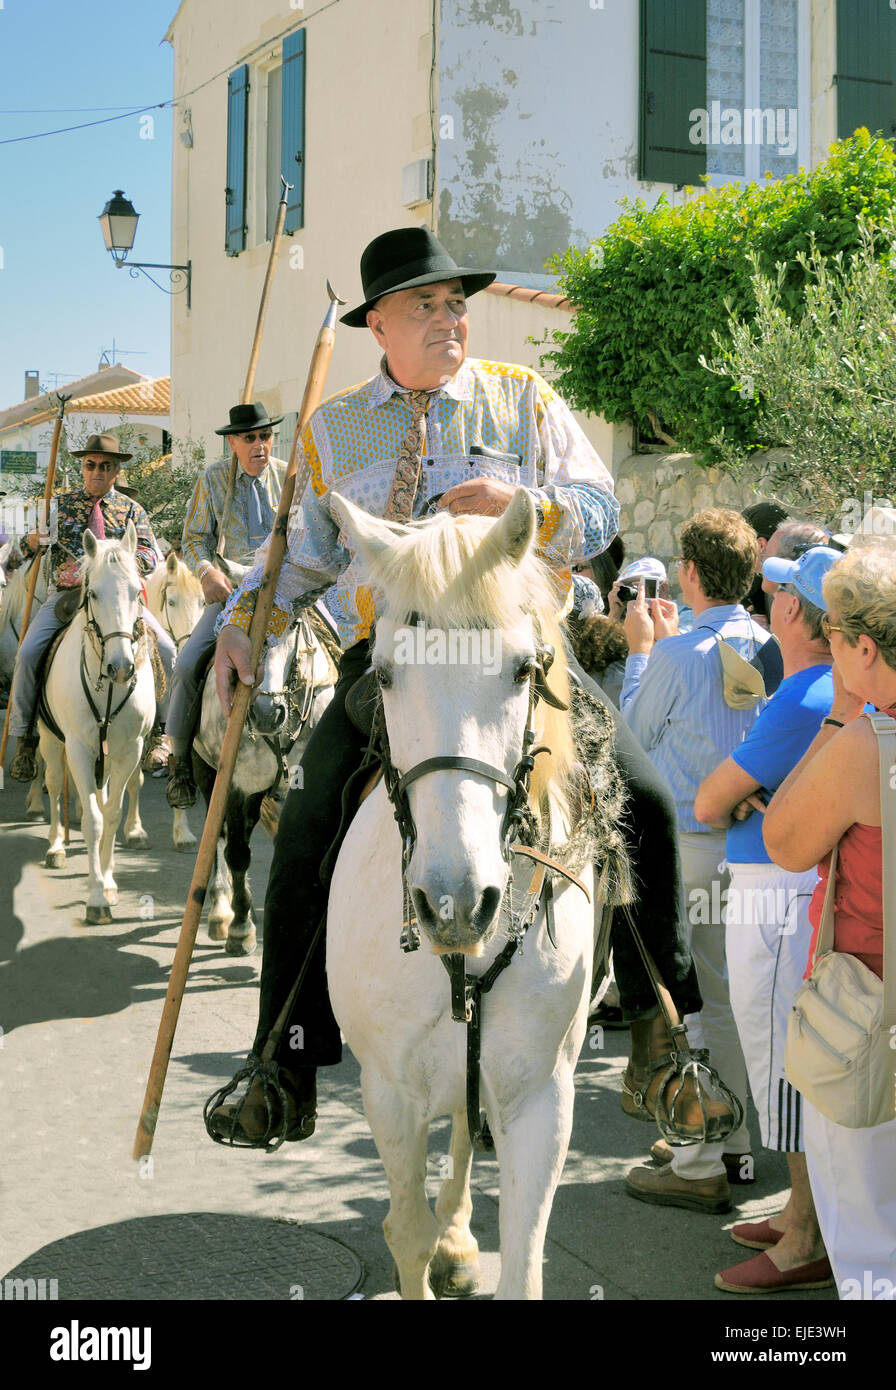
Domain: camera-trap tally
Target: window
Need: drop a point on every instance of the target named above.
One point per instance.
(278, 145)
(724, 89)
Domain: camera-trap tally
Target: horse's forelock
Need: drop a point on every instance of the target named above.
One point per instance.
(108, 554)
(441, 572)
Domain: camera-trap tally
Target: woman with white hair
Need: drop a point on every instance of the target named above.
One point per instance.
(832, 797)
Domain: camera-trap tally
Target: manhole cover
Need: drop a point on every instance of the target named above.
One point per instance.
(195, 1255)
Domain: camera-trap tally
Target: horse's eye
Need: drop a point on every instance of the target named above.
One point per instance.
(524, 671)
(384, 676)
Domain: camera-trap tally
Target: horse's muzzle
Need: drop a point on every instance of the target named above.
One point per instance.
(267, 716)
(461, 922)
(120, 670)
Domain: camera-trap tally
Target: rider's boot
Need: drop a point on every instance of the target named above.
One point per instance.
(650, 1076)
(23, 767)
(256, 1124)
(157, 751)
(180, 789)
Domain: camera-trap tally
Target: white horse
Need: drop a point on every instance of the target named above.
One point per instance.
(174, 596)
(101, 679)
(481, 582)
(296, 689)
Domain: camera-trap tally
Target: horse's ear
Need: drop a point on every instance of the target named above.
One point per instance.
(89, 540)
(129, 539)
(171, 562)
(511, 536)
(369, 535)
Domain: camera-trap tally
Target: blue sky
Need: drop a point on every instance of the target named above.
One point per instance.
(61, 299)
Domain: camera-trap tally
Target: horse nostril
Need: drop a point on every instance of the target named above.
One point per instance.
(485, 909)
(427, 918)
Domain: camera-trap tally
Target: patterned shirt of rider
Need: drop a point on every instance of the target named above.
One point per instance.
(246, 528)
(69, 516)
(490, 420)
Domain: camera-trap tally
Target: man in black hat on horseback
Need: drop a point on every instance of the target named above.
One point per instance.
(433, 428)
(230, 514)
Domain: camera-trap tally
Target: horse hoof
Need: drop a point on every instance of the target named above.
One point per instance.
(139, 841)
(35, 816)
(97, 916)
(451, 1280)
(217, 930)
(111, 896)
(55, 859)
(240, 945)
(185, 846)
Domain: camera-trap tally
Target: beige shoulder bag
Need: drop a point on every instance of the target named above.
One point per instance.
(841, 1036)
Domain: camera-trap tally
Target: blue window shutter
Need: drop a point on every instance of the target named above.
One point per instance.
(235, 192)
(673, 83)
(292, 135)
(866, 67)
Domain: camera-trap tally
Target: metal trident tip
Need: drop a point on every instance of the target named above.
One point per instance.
(334, 297)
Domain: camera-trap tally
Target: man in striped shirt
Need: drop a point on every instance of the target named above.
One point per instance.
(220, 524)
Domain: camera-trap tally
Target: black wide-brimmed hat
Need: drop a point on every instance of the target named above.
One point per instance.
(248, 417)
(102, 444)
(403, 259)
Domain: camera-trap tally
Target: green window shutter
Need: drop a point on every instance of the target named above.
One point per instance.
(292, 139)
(866, 67)
(673, 83)
(235, 192)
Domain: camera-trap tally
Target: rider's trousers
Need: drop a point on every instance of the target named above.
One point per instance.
(41, 630)
(183, 708)
(296, 900)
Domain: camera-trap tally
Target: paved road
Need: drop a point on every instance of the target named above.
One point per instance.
(79, 1009)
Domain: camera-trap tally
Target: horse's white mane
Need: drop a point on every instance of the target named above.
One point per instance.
(440, 570)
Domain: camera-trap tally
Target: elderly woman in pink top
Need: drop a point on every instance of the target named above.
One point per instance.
(833, 796)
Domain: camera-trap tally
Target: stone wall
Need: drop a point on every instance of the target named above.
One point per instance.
(658, 492)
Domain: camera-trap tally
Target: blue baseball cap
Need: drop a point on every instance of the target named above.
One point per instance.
(805, 574)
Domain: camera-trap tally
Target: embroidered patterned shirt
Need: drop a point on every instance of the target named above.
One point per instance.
(490, 420)
(69, 515)
(203, 523)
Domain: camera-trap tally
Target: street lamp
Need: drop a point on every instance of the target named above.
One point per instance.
(118, 221)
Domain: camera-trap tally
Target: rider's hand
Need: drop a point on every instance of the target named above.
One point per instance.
(216, 587)
(232, 665)
(480, 496)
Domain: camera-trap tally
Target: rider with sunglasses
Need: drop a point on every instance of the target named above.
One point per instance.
(220, 524)
(98, 507)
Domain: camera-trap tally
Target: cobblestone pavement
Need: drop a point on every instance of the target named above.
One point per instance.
(79, 1010)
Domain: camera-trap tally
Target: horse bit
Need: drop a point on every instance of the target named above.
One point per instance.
(466, 992)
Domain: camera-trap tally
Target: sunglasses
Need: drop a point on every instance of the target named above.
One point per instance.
(827, 627)
(263, 435)
(100, 467)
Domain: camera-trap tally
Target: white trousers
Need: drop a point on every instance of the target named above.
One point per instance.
(767, 936)
(705, 877)
(853, 1178)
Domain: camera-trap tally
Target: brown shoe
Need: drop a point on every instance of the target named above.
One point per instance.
(664, 1188)
(253, 1124)
(651, 1075)
(180, 789)
(737, 1166)
(23, 767)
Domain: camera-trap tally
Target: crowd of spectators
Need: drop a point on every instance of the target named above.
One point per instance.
(747, 696)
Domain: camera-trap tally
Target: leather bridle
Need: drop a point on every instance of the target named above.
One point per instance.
(466, 992)
(98, 640)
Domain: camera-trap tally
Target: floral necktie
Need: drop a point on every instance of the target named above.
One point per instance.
(406, 481)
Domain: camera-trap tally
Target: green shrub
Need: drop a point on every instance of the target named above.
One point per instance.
(655, 287)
